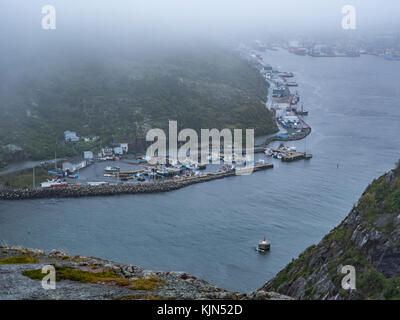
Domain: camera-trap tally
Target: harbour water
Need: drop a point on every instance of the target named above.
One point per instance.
(211, 229)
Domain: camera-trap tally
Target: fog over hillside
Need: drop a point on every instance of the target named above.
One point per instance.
(98, 35)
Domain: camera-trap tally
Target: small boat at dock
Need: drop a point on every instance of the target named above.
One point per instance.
(302, 112)
(55, 183)
(110, 169)
(286, 74)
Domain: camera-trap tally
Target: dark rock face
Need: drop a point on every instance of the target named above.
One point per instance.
(368, 239)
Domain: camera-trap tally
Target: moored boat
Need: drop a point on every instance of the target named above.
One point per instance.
(55, 183)
(263, 246)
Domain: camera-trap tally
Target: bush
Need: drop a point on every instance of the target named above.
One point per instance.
(23, 259)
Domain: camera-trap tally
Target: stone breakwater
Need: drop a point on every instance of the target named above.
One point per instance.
(297, 136)
(107, 190)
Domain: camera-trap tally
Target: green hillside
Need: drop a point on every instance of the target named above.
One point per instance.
(119, 99)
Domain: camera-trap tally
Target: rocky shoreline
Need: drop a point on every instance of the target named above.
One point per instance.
(14, 285)
(368, 240)
(107, 190)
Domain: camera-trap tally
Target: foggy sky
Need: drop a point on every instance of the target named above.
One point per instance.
(96, 25)
(192, 17)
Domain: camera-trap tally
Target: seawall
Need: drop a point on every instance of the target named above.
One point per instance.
(107, 190)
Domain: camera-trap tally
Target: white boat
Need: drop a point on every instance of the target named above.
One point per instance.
(111, 169)
(268, 152)
(214, 157)
(263, 246)
(53, 183)
(96, 184)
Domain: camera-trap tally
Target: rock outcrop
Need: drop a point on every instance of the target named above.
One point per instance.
(368, 239)
(20, 267)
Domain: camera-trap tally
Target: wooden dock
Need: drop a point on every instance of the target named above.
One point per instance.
(293, 156)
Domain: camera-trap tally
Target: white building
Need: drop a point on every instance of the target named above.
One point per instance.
(70, 136)
(279, 113)
(88, 155)
(107, 152)
(118, 151)
(124, 146)
(291, 118)
(74, 165)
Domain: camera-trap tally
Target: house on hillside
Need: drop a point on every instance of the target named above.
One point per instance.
(107, 152)
(70, 136)
(88, 155)
(118, 151)
(124, 146)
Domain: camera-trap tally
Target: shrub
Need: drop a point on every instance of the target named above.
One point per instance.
(23, 259)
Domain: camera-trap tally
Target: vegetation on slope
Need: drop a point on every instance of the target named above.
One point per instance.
(21, 259)
(119, 99)
(24, 178)
(368, 239)
(105, 277)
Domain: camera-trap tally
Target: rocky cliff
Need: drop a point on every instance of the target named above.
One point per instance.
(88, 278)
(368, 239)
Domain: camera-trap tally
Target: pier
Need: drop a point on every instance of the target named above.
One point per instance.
(293, 156)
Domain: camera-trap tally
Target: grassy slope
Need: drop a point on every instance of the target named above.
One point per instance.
(380, 201)
(121, 98)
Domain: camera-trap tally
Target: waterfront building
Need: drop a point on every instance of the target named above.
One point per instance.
(88, 155)
(74, 165)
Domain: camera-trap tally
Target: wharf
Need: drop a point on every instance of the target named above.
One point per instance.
(293, 156)
(131, 188)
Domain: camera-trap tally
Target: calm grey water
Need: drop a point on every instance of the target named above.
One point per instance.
(210, 229)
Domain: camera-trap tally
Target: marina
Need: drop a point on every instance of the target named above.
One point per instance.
(120, 168)
(105, 189)
(232, 214)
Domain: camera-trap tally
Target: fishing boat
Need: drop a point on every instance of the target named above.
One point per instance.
(214, 157)
(110, 169)
(163, 172)
(286, 74)
(55, 183)
(189, 164)
(263, 246)
(302, 112)
(291, 84)
(393, 56)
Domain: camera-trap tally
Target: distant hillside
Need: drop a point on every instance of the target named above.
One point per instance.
(119, 99)
(368, 239)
